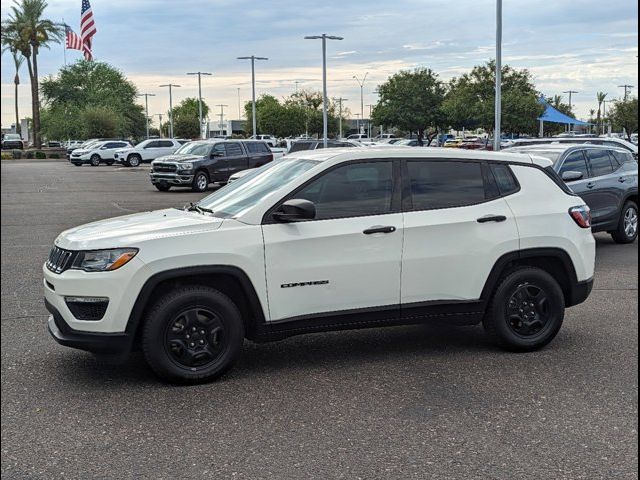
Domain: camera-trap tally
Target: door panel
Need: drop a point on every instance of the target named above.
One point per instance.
(352, 270)
(236, 159)
(604, 187)
(448, 254)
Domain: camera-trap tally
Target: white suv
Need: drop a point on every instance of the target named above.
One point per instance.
(147, 151)
(97, 153)
(328, 240)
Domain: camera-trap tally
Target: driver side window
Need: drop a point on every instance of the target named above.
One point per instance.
(218, 150)
(355, 190)
(575, 162)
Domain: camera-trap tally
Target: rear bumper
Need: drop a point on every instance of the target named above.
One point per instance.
(580, 292)
(101, 343)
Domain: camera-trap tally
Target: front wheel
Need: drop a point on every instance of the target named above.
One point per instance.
(134, 160)
(95, 160)
(627, 230)
(200, 182)
(163, 187)
(526, 311)
(192, 335)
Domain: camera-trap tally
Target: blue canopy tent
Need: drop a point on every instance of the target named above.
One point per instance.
(556, 116)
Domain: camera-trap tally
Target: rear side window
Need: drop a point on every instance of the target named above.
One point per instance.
(600, 162)
(165, 143)
(575, 162)
(233, 149)
(445, 184)
(300, 146)
(352, 190)
(622, 158)
(257, 147)
(507, 183)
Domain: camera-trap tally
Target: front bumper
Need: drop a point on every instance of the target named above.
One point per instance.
(580, 292)
(12, 145)
(171, 178)
(101, 343)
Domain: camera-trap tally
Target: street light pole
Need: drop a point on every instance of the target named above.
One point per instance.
(369, 121)
(221, 115)
(361, 83)
(626, 90)
(159, 115)
(325, 100)
(239, 106)
(498, 107)
(199, 74)
(340, 100)
(253, 59)
(170, 85)
(146, 107)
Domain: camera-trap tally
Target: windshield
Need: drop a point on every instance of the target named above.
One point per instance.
(194, 148)
(550, 154)
(246, 192)
(12, 136)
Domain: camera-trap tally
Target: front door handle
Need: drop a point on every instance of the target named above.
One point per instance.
(379, 229)
(591, 184)
(492, 218)
(622, 179)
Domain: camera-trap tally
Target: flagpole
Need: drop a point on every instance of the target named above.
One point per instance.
(65, 42)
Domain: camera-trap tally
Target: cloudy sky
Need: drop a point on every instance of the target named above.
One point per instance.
(584, 45)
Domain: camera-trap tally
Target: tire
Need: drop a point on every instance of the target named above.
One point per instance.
(95, 160)
(163, 187)
(526, 311)
(77, 164)
(200, 182)
(193, 334)
(134, 160)
(627, 230)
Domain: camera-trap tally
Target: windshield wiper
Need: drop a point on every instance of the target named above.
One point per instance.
(195, 207)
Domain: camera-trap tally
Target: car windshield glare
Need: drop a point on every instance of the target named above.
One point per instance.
(194, 148)
(246, 192)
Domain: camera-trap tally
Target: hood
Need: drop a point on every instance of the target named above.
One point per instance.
(178, 158)
(81, 151)
(131, 230)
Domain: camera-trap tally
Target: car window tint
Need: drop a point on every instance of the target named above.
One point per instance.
(257, 147)
(300, 146)
(233, 149)
(165, 143)
(575, 162)
(600, 162)
(352, 190)
(622, 158)
(219, 148)
(438, 184)
(506, 181)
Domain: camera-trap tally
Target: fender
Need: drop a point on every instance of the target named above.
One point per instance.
(152, 282)
(518, 256)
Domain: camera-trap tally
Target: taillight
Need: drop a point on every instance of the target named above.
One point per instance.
(581, 215)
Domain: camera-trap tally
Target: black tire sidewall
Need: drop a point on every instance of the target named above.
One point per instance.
(163, 187)
(621, 235)
(136, 159)
(496, 320)
(165, 310)
(93, 162)
(195, 186)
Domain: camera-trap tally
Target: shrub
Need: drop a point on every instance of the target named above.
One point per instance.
(54, 155)
(17, 154)
(40, 155)
(6, 156)
(28, 154)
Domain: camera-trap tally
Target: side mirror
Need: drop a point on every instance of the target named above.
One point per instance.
(295, 210)
(572, 176)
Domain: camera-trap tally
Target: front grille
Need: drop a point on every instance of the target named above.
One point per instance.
(163, 167)
(60, 259)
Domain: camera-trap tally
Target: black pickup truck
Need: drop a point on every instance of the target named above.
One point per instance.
(200, 163)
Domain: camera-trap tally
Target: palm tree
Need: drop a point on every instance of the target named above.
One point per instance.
(27, 32)
(18, 60)
(600, 96)
(592, 112)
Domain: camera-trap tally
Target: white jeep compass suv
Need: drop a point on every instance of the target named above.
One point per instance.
(328, 240)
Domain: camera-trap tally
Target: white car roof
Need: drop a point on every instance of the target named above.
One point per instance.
(376, 152)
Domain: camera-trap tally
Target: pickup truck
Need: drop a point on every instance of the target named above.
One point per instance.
(198, 164)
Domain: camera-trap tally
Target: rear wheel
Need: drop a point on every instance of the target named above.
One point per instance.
(163, 187)
(526, 311)
(95, 160)
(134, 160)
(627, 230)
(193, 334)
(200, 182)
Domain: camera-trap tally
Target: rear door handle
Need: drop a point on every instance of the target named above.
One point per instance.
(492, 218)
(379, 229)
(591, 184)
(622, 179)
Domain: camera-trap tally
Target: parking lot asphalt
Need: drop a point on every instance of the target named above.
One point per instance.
(405, 402)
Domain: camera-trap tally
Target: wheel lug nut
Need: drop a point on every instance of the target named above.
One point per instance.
(188, 336)
(193, 329)
(201, 332)
(192, 344)
(201, 342)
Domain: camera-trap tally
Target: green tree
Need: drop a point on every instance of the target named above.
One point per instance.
(100, 122)
(86, 85)
(411, 100)
(600, 97)
(28, 33)
(624, 115)
(470, 101)
(185, 118)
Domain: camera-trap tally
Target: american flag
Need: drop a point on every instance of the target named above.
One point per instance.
(74, 42)
(87, 28)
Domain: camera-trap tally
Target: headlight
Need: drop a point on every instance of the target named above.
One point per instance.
(187, 167)
(103, 260)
